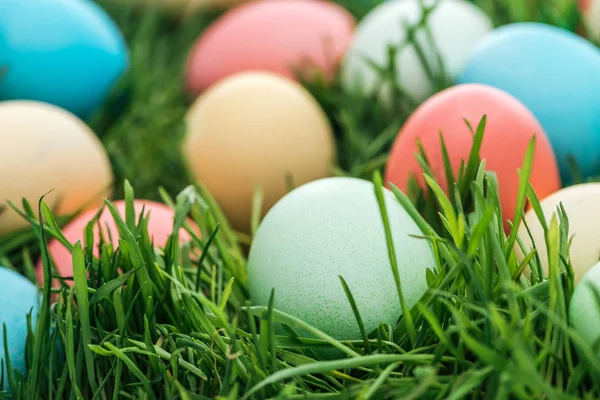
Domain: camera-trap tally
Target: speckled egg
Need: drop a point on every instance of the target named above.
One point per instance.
(18, 297)
(44, 148)
(584, 310)
(64, 52)
(333, 227)
(556, 74)
(256, 128)
(456, 26)
(583, 210)
(287, 37)
(160, 227)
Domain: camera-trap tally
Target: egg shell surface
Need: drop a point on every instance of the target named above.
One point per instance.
(583, 211)
(385, 25)
(333, 227)
(584, 312)
(509, 128)
(160, 227)
(270, 35)
(556, 74)
(46, 148)
(63, 52)
(18, 297)
(256, 128)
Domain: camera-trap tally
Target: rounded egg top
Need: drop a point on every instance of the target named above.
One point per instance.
(64, 52)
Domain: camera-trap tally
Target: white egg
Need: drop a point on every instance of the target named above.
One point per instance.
(455, 25)
(583, 211)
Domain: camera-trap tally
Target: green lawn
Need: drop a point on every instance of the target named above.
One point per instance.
(168, 329)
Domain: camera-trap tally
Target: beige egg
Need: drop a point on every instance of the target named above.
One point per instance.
(582, 205)
(44, 148)
(256, 128)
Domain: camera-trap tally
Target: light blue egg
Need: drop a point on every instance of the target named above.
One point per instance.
(556, 74)
(64, 52)
(18, 297)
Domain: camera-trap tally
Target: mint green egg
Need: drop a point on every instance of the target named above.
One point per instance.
(332, 227)
(584, 311)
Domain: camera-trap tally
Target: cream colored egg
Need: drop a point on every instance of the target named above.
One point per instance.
(44, 148)
(256, 128)
(582, 205)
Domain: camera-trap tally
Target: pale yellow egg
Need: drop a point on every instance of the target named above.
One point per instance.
(256, 128)
(582, 206)
(44, 148)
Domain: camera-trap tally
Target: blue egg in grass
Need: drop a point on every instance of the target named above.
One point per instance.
(18, 297)
(64, 52)
(556, 74)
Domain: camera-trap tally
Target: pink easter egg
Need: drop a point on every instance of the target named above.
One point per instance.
(160, 226)
(271, 35)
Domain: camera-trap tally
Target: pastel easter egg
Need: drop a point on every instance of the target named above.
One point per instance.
(509, 128)
(583, 211)
(330, 228)
(287, 37)
(387, 26)
(45, 148)
(160, 227)
(256, 129)
(556, 74)
(67, 53)
(584, 309)
(18, 297)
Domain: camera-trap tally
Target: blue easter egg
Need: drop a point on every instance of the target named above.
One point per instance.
(64, 52)
(18, 297)
(556, 74)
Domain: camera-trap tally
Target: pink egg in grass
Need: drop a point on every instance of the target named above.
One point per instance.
(286, 37)
(160, 226)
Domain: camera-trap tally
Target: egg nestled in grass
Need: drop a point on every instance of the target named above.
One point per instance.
(583, 211)
(554, 73)
(284, 37)
(67, 53)
(45, 148)
(160, 226)
(584, 309)
(256, 128)
(509, 128)
(453, 29)
(330, 228)
(18, 297)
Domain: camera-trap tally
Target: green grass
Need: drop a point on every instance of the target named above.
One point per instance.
(152, 324)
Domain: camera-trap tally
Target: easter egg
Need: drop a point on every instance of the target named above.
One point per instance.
(256, 128)
(160, 227)
(554, 73)
(46, 148)
(387, 24)
(329, 228)
(284, 37)
(509, 129)
(67, 53)
(18, 298)
(583, 211)
(584, 310)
